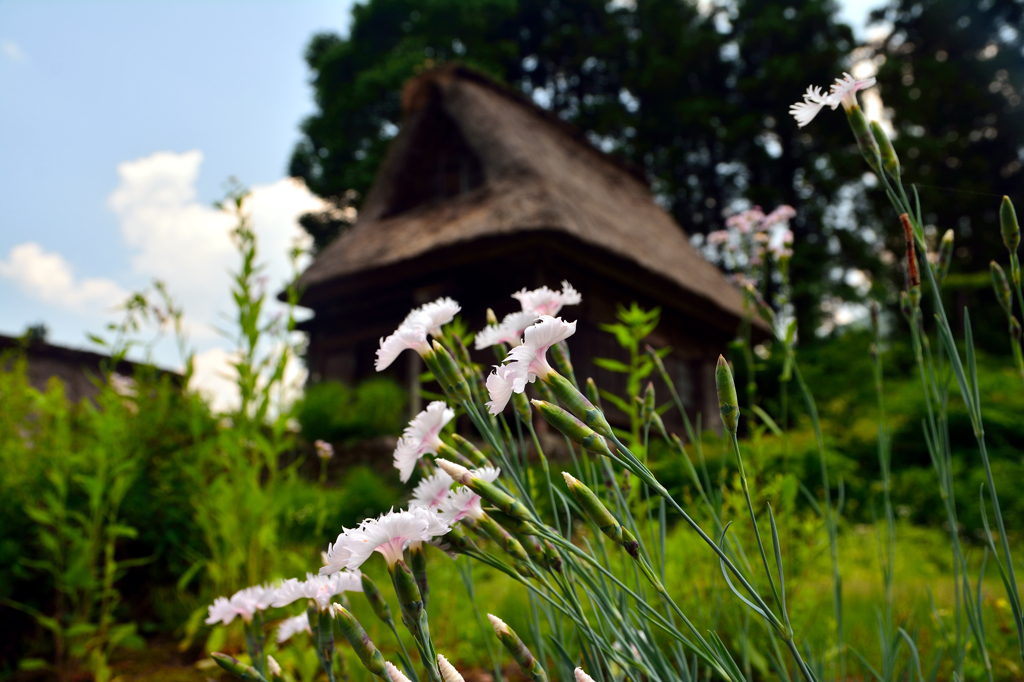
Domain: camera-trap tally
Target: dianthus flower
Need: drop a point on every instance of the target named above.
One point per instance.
(292, 626)
(431, 491)
(388, 534)
(464, 503)
(509, 330)
(244, 603)
(527, 361)
(844, 91)
(412, 333)
(421, 436)
(319, 588)
(545, 301)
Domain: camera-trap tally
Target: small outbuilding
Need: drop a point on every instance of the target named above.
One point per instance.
(483, 193)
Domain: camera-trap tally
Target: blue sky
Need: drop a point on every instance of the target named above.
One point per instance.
(114, 112)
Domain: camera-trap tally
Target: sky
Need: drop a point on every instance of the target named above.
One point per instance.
(120, 123)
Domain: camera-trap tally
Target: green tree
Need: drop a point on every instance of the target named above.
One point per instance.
(698, 99)
(953, 76)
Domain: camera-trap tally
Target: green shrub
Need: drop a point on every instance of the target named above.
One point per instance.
(334, 412)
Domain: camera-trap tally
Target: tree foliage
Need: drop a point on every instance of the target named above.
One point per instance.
(953, 74)
(697, 95)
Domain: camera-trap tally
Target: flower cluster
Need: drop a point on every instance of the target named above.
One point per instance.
(246, 603)
(412, 333)
(843, 91)
(535, 303)
(748, 237)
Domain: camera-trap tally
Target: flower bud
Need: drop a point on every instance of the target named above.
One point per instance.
(599, 514)
(492, 319)
(560, 356)
(236, 667)
(410, 599)
(529, 664)
(577, 403)
(486, 490)
(460, 351)
(522, 406)
(451, 374)
(503, 538)
(513, 525)
(274, 668)
(593, 395)
(376, 599)
(647, 407)
(447, 670)
(1008, 225)
(458, 541)
(471, 452)
(360, 641)
(865, 140)
(728, 403)
(1015, 329)
(890, 161)
(945, 257)
(1002, 288)
(572, 427)
(418, 565)
(394, 674)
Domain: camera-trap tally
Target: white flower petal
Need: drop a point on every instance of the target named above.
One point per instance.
(500, 387)
(420, 437)
(388, 534)
(432, 490)
(292, 626)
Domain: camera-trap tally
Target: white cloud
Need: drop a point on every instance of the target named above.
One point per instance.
(49, 278)
(214, 376)
(174, 237)
(187, 244)
(14, 52)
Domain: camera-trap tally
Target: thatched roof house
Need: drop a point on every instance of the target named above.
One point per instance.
(483, 193)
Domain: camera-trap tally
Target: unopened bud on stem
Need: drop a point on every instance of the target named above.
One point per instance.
(1002, 288)
(524, 657)
(360, 641)
(593, 395)
(447, 670)
(376, 599)
(599, 514)
(1008, 225)
(572, 427)
(945, 257)
(577, 403)
(890, 161)
(728, 403)
(470, 451)
(486, 490)
(236, 667)
(865, 140)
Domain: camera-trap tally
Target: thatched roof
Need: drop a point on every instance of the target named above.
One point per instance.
(538, 175)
